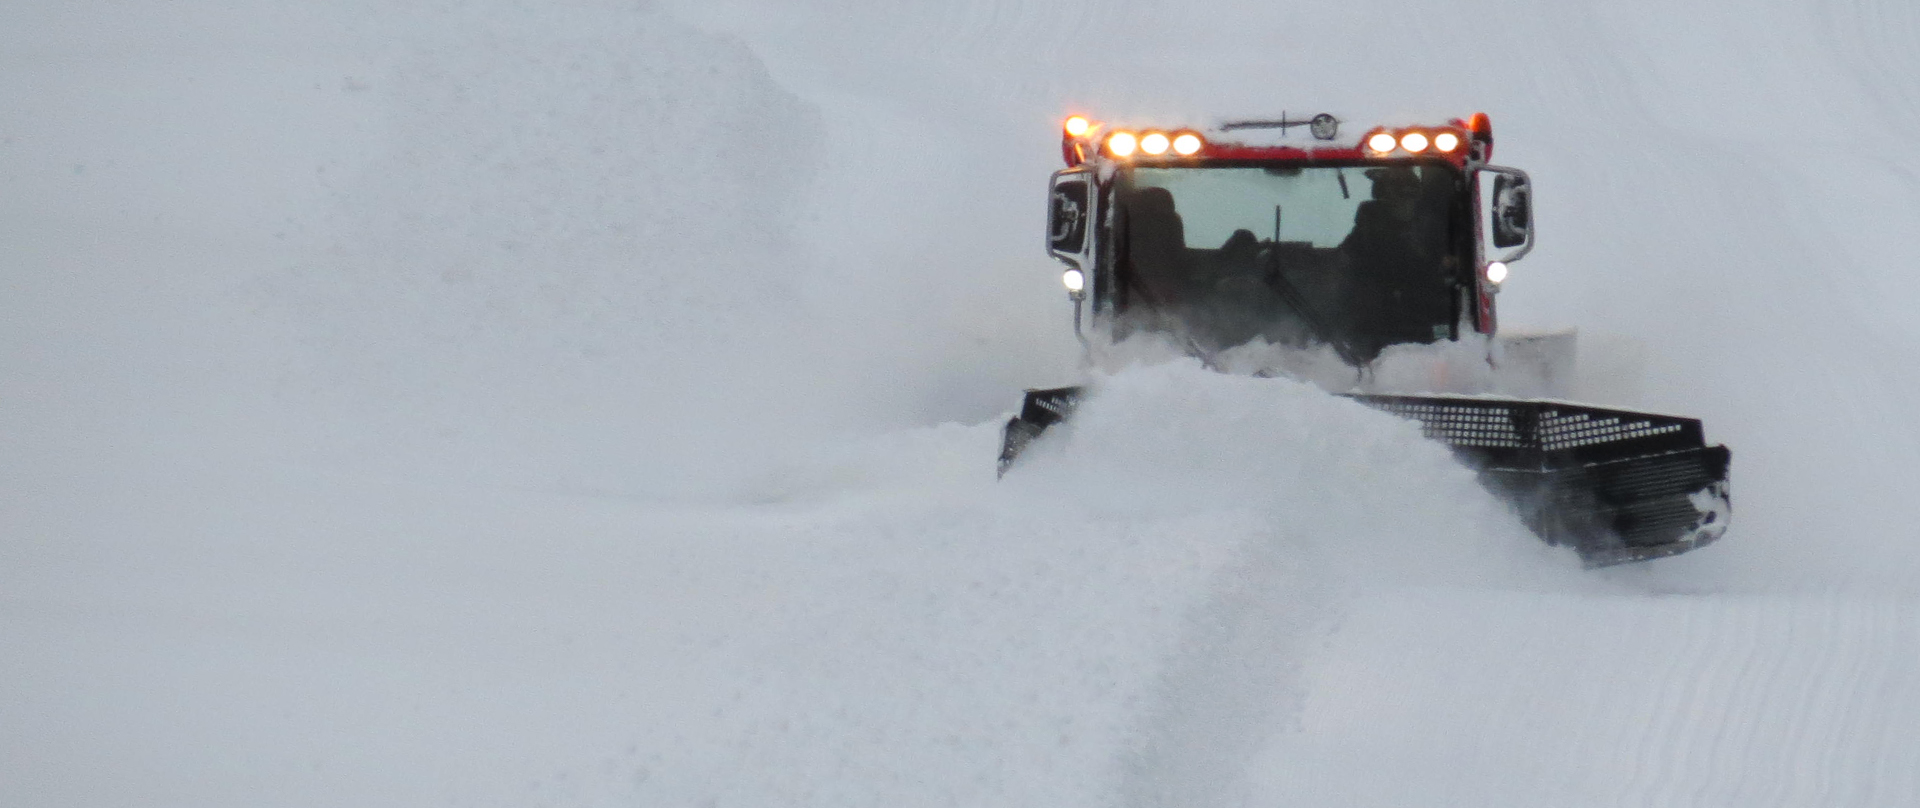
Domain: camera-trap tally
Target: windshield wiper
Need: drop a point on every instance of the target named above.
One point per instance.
(1292, 296)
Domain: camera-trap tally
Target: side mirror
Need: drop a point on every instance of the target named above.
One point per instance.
(1069, 208)
(1510, 209)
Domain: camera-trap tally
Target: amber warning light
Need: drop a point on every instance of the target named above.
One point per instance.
(1082, 134)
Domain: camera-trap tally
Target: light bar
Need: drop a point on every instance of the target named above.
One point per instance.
(1414, 141)
(1448, 139)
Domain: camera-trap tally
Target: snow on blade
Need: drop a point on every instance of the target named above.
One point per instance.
(1341, 482)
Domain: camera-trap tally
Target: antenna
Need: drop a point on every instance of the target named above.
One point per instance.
(1323, 126)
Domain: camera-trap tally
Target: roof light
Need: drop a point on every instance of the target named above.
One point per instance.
(1497, 272)
(1414, 142)
(1077, 126)
(1482, 128)
(1381, 142)
(1481, 125)
(1122, 144)
(1446, 141)
(1154, 143)
(1187, 143)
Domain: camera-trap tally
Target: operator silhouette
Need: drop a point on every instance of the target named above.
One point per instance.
(1157, 246)
(1395, 291)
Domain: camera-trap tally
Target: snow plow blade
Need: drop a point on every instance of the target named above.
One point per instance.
(1615, 485)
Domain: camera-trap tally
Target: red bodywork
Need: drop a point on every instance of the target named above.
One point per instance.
(1476, 145)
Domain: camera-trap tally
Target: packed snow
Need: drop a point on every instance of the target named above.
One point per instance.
(596, 403)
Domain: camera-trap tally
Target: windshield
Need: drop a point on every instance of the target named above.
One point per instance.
(1357, 256)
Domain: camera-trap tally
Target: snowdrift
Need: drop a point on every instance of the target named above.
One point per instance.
(507, 404)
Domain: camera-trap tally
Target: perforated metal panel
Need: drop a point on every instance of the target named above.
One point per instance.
(1533, 430)
(1568, 430)
(1459, 424)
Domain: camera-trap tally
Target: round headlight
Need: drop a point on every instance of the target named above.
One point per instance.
(1154, 143)
(1187, 143)
(1446, 141)
(1122, 144)
(1497, 272)
(1073, 280)
(1381, 142)
(1413, 142)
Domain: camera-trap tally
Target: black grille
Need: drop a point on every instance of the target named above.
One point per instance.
(1616, 484)
(1568, 430)
(1566, 433)
(1458, 424)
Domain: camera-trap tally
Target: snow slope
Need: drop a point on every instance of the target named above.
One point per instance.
(496, 403)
